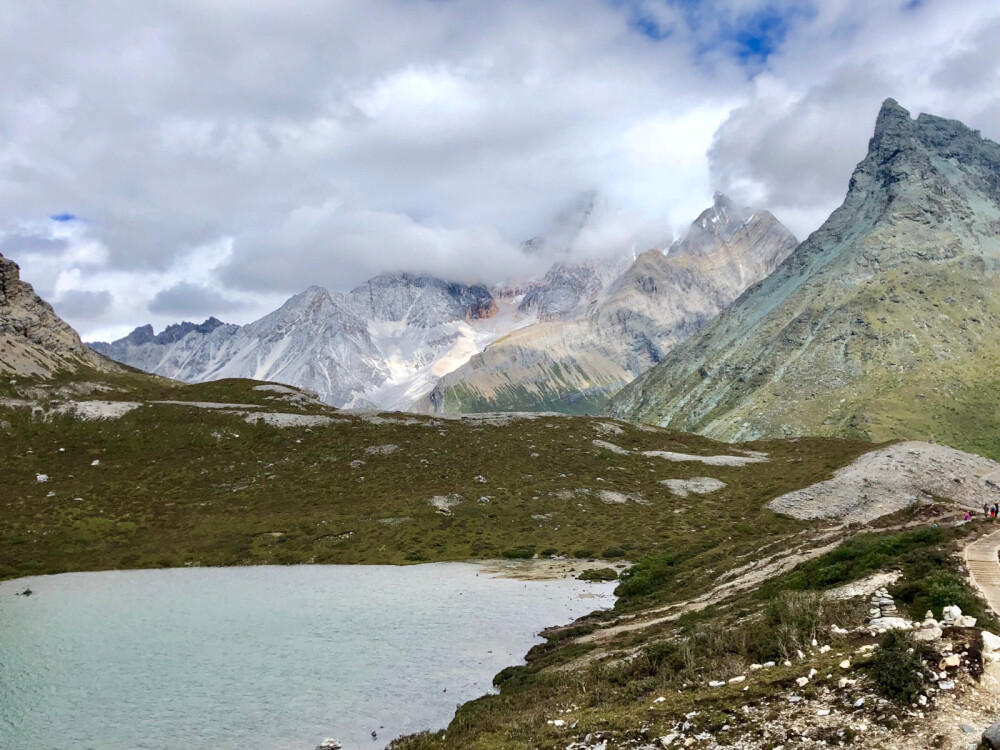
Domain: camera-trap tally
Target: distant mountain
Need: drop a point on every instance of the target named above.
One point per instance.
(595, 336)
(34, 341)
(384, 343)
(883, 323)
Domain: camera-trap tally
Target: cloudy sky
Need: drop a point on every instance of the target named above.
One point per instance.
(171, 160)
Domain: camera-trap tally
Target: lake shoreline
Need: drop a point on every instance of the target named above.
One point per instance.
(480, 642)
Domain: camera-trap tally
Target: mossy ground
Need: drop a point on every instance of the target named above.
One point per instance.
(180, 485)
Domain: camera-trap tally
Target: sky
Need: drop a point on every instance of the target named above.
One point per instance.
(173, 160)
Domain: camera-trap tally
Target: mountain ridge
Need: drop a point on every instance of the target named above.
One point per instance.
(659, 300)
(881, 307)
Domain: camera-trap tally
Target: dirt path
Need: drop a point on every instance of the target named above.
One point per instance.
(981, 557)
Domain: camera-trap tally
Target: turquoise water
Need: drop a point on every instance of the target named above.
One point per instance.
(261, 658)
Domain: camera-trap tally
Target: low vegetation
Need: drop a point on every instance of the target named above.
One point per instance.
(174, 485)
(177, 485)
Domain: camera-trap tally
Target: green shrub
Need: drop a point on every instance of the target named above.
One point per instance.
(581, 554)
(896, 669)
(859, 556)
(648, 575)
(519, 553)
(599, 574)
(612, 553)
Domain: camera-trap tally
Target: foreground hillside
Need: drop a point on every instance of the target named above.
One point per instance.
(238, 472)
(118, 472)
(881, 325)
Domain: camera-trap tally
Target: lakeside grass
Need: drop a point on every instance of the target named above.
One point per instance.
(178, 485)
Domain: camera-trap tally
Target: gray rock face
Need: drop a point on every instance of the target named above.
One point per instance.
(343, 346)
(573, 363)
(34, 341)
(893, 296)
(991, 737)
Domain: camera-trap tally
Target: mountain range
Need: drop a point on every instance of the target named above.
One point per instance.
(882, 324)
(563, 342)
(575, 363)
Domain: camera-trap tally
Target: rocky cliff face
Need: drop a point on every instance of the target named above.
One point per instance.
(378, 345)
(574, 364)
(881, 324)
(34, 341)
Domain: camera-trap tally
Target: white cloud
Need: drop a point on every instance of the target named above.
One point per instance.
(240, 151)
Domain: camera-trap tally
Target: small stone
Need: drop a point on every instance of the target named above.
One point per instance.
(859, 702)
(716, 683)
(823, 712)
(735, 680)
(845, 664)
(755, 667)
(802, 681)
(823, 649)
(965, 621)
(949, 662)
(968, 729)
(991, 642)
(41, 477)
(991, 737)
(659, 700)
(768, 664)
(96, 462)
(946, 685)
(928, 634)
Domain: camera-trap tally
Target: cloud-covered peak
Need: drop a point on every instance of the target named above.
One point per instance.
(191, 158)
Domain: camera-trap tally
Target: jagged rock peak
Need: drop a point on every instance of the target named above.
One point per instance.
(894, 294)
(174, 332)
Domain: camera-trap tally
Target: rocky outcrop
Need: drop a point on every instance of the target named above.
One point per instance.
(880, 325)
(893, 478)
(34, 341)
(574, 364)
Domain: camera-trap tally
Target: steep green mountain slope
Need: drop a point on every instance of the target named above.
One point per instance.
(575, 366)
(882, 324)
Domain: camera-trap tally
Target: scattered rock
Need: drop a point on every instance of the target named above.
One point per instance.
(991, 737)
(950, 662)
(697, 485)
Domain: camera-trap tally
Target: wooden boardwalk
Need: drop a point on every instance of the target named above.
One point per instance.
(981, 557)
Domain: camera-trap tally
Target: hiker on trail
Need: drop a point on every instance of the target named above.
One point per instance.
(986, 511)
(967, 516)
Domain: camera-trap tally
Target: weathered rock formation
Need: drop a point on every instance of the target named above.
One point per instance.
(34, 341)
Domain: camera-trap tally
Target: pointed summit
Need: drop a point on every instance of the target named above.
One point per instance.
(880, 325)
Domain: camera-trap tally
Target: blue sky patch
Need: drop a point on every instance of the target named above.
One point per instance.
(751, 37)
(64, 217)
